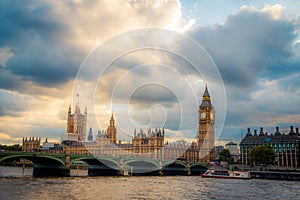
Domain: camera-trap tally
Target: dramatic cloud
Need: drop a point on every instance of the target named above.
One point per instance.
(249, 43)
(48, 41)
(43, 44)
(256, 53)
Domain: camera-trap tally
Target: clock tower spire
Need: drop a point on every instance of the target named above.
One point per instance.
(206, 130)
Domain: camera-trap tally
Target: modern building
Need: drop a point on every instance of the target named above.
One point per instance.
(232, 147)
(76, 123)
(286, 146)
(218, 150)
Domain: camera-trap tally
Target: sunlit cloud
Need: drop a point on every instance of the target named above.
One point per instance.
(43, 44)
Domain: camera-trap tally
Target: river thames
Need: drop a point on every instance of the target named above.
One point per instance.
(16, 184)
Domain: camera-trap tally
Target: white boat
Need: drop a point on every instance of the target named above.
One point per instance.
(211, 173)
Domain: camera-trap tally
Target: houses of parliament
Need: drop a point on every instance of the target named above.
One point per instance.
(145, 144)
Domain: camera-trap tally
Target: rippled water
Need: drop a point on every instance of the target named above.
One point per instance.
(157, 187)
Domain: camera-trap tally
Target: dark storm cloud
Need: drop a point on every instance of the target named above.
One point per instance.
(8, 80)
(44, 65)
(12, 104)
(35, 38)
(21, 19)
(247, 44)
(153, 93)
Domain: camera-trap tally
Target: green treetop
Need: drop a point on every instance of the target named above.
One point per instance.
(262, 155)
(225, 155)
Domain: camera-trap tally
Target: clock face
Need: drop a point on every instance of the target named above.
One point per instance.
(203, 115)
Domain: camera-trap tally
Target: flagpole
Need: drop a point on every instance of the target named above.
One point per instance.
(77, 95)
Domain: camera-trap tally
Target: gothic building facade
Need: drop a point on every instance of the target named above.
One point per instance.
(76, 123)
(112, 130)
(31, 144)
(149, 143)
(206, 130)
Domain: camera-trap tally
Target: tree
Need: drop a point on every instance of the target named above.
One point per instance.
(15, 147)
(262, 155)
(225, 155)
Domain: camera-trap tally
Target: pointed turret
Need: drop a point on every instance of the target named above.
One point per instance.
(206, 93)
(277, 131)
(205, 98)
(112, 130)
(248, 133)
(261, 133)
(77, 109)
(85, 110)
(90, 136)
(255, 132)
(292, 131)
(112, 120)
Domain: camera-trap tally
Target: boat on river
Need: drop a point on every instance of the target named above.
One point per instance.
(226, 174)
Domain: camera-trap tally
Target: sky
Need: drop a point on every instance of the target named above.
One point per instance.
(247, 52)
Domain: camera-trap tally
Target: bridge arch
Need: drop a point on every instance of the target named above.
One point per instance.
(176, 163)
(142, 167)
(36, 159)
(175, 168)
(197, 168)
(100, 166)
(95, 161)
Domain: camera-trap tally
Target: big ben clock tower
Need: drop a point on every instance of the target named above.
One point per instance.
(206, 130)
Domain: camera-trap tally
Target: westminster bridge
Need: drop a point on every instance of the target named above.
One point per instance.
(59, 164)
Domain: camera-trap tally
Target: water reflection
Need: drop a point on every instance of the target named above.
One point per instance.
(158, 187)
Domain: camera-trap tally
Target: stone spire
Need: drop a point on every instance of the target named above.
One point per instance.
(90, 135)
(206, 98)
(112, 130)
(112, 120)
(206, 93)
